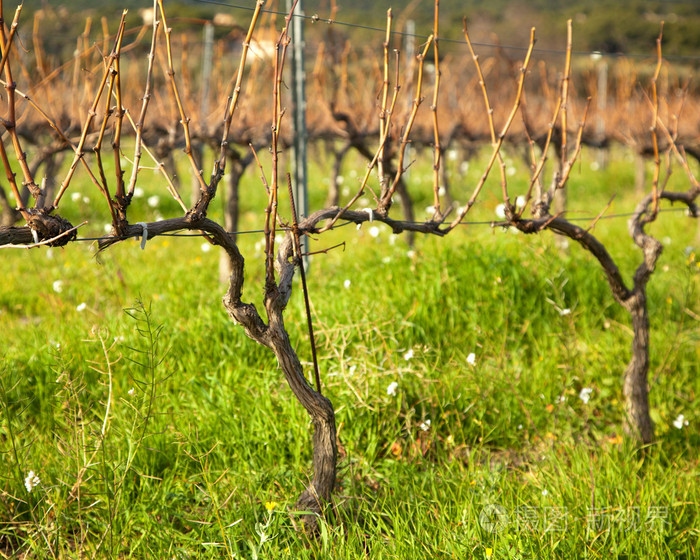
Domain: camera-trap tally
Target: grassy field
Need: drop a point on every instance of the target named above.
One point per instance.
(476, 380)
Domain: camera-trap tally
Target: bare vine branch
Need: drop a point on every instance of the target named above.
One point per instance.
(501, 137)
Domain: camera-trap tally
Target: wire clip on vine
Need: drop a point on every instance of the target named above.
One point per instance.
(144, 234)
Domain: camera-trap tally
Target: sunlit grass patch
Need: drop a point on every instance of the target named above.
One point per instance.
(476, 382)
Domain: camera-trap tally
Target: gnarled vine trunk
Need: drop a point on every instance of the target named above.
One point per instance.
(275, 337)
(635, 388)
(325, 452)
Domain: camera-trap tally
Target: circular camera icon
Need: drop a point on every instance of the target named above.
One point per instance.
(493, 518)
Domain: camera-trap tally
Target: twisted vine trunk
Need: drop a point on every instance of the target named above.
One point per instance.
(274, 336)
(635, 388)
(638, 421)
(320, 409)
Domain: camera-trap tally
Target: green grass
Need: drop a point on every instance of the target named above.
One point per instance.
(189, 444)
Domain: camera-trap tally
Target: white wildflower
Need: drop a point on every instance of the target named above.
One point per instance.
(430, 209)
(408, 355)
(81, 307)
(563, 312)
(206, 247)
(585, 394)
(346, 284)
(520, 201)
(153, 201)
(58, 286)
(391, 389)
(471, 358)
(31, 481)
(680, 421)
(131, 391)
(107, 228)
(410, 253)
(425, 426)
(76, 196)
(86, 200)
(501, 210)
(374, 231)
(138, 192)
(545, 492)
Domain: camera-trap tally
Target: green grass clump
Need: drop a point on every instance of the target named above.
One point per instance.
(163, 432)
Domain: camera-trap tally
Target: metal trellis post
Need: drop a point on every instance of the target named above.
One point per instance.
(299, 161)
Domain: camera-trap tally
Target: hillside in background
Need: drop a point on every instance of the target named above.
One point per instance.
(627, 26)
